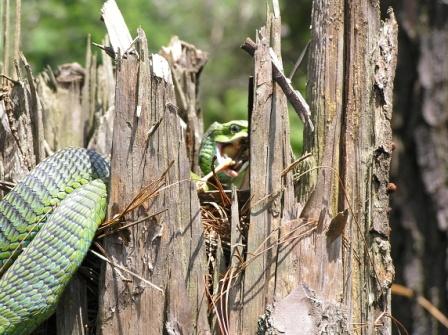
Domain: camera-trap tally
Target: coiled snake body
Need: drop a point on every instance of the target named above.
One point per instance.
(54, 212)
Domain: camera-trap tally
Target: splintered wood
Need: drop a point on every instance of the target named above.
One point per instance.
(167, 250)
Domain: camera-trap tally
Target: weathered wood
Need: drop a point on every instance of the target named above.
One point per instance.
(321, 263)
(350, 147)
(267, 276)
(167, 250)
(234, 316)
(103, 89)
(187, 62)
(61, 92)
(71, 316)
(286, 204)
(35, 110)
(366, 152)
(19, 127)
(258, 272)
(6, 37)
(13, 165)
(294, 96)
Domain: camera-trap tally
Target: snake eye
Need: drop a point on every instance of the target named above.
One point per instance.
(234, 128)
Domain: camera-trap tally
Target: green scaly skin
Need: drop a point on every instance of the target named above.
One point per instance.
(55, 212)
(218, 135)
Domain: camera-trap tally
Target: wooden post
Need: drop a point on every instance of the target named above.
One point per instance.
(167, 249)
(258, 273)
(346, 262)
(272, 198)
(319, 262)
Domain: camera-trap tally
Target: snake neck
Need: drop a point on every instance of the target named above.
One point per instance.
(206, 153)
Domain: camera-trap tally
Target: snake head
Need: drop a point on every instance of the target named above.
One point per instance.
(233, 142)
(226, 140)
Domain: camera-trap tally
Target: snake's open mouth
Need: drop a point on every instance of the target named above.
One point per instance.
(237, 151)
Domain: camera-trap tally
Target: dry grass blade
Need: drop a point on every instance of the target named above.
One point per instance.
(422, 301)
(116, 230)
(215, 309)
(148, 192)
(398, 324)
(114, 265)
(7, 185)
(233, 272)
(295, 163)
(225, 199)
(215, 220)
(299, 61)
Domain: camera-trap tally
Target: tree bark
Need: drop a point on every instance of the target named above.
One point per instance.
(420, 165)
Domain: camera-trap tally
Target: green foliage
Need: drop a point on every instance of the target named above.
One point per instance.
(55, 32)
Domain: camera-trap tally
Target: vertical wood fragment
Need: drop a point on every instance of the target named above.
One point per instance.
(6, 38)
(166, 249)
(286, 204)
(258, 271)
(102, 96)
(186, 63)
(61, 92)
(71, 316)
(120, 37)
(366, 152)
(350, 267)
(235, 307)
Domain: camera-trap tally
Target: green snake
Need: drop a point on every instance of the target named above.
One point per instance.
(225, 140)
(52, 216)
(54, 212)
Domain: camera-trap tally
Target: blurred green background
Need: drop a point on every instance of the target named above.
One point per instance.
(55, 32)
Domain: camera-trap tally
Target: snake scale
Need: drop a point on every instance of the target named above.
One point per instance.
(54, 211)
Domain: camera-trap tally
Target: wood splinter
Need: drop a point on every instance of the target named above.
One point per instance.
(294, 96)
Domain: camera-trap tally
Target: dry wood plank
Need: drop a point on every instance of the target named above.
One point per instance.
(321, 267)
(35, 109)
(287, 203)
(168, 249)
(18, 129)
(13, 165)
(267, 278)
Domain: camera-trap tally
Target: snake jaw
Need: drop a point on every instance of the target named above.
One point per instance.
(237, 151)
